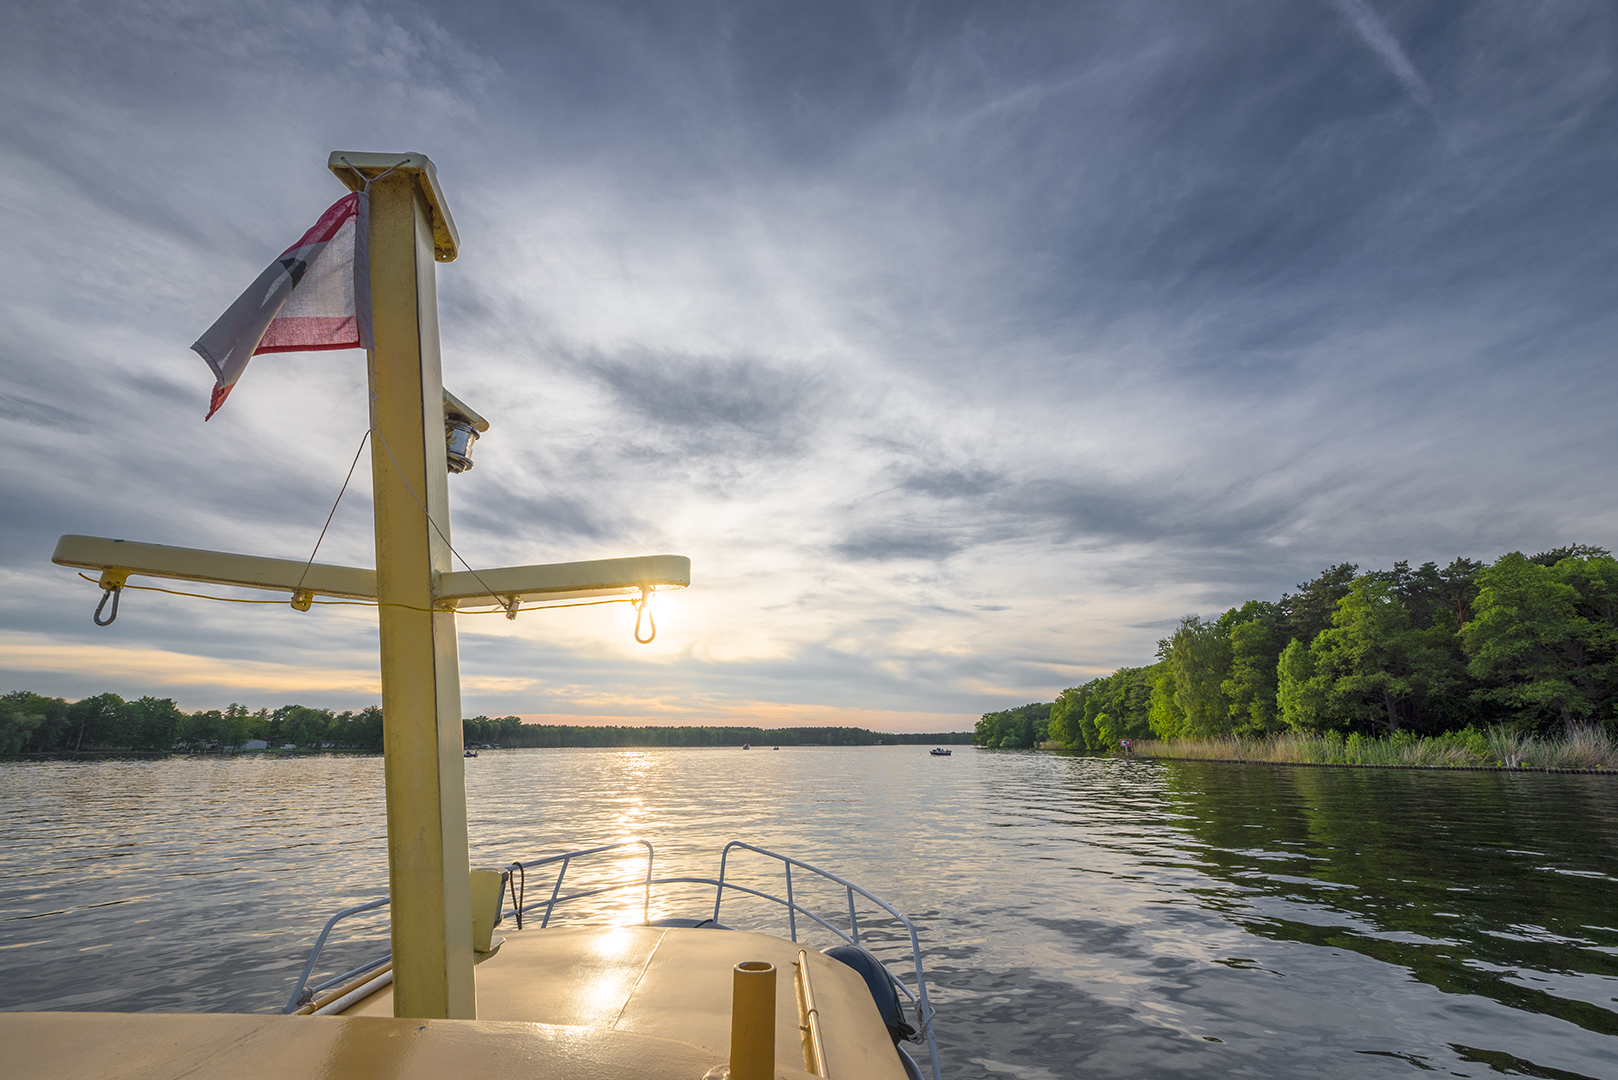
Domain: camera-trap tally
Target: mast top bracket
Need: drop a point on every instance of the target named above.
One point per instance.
(354, 168)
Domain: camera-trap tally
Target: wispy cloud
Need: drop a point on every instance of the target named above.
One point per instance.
(1375, 33)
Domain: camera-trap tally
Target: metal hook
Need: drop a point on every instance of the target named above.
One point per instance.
(642, 610)
(114, 591)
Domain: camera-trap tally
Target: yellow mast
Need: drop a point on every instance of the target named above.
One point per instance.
(421, 687)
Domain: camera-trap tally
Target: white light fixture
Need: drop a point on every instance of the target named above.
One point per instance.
(462, 427)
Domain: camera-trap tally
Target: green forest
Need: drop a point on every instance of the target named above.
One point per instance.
(508, 731)
(32, 723)
(1528, 644)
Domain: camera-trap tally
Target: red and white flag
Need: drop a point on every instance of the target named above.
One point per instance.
(317, 295)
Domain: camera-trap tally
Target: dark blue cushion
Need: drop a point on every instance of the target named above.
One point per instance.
(880, 983)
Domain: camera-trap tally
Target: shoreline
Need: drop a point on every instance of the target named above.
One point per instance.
(1368, 765)
(154, 755)
(1583, 750)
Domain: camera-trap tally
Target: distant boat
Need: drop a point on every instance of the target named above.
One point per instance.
(775, 748)
(747, 746)
(471, 753)
(939, 751)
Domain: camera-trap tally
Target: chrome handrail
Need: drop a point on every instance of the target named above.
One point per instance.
(833, 927)
(924, 1009)
(519, 878)
(301, 996)
(303, 993)
(516, 872)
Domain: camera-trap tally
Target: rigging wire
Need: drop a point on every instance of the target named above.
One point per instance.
(375, 603)
(323, 528)
(512, 607)
(302, 600)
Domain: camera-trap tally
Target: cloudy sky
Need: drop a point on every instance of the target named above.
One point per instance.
(962, 347)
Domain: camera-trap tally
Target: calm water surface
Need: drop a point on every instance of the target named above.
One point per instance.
(1080, 916)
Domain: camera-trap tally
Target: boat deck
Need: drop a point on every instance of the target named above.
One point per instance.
(674, 984)
(608, 1003)
(228, 1046)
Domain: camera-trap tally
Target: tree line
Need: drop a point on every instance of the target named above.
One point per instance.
(1529, 643)
(508, 731)
(33, 723)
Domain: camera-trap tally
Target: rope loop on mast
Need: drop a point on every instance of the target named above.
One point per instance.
(643, 609)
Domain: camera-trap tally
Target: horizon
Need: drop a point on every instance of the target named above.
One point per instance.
(964, 350)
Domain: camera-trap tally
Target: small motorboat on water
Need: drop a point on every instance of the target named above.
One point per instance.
(470, 753)
(747, 746)
(939, 751)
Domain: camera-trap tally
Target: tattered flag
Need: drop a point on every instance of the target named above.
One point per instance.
(316, 295)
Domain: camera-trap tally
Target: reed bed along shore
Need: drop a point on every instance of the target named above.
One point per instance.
(1585, 748)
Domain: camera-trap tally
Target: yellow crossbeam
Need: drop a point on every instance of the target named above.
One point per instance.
(565, 581)
(546, 581)
(213, 567)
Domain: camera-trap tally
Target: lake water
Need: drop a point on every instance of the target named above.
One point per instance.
(1080, 916)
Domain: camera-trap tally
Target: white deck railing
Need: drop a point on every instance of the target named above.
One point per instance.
(516, 876)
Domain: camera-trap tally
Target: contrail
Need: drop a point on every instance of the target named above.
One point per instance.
(1375, 33)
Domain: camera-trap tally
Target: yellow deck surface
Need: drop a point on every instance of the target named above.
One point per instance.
(228, 1046)
(602, 1004)
(673, 984)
